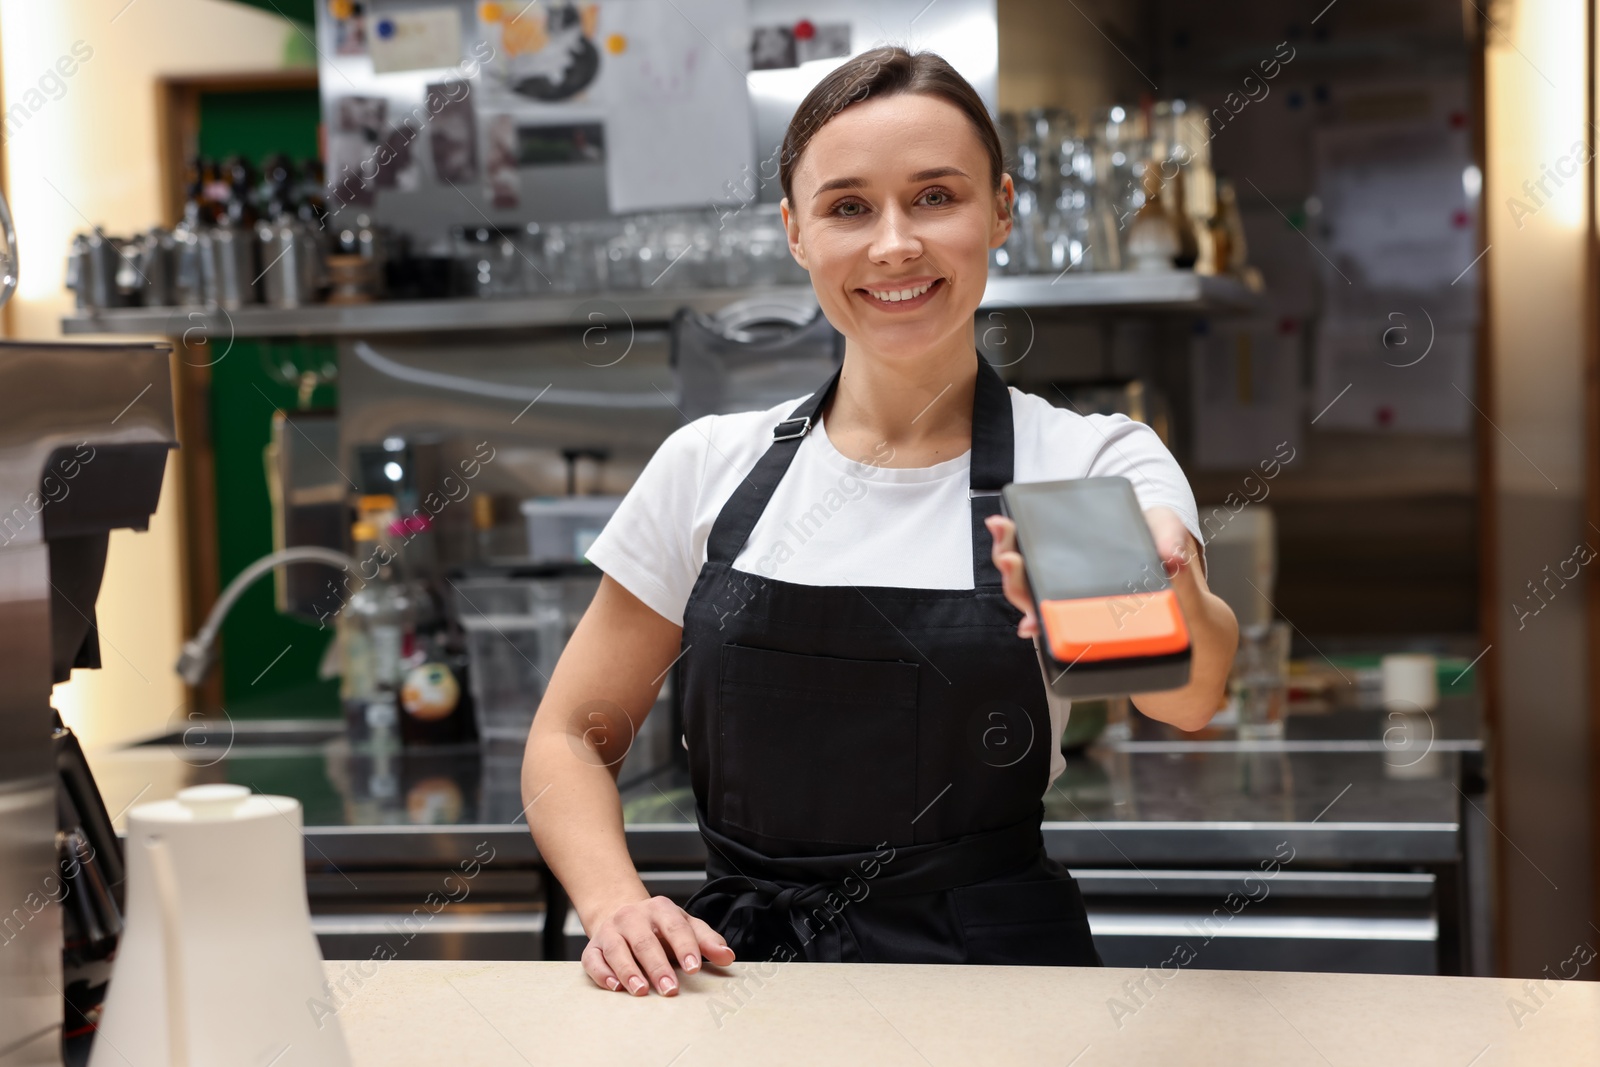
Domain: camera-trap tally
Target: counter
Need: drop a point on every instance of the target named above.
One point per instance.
(1334, 787)
(1374, 843)
(884, 1015)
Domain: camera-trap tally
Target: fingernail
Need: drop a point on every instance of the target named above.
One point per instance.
(613, 984)
(637, 985)
(691, 963)
(667, 985)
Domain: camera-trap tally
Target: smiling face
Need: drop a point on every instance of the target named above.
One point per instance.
(894, 213)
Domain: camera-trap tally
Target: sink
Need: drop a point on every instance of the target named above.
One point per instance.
(276, 733)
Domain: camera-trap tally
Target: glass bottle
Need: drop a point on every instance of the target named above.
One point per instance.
(435, 706)
(1152, 241)
(1176, 203)
(311, 191)
(375, 631)
(241, 206)
(1227, 231)
(213, 190)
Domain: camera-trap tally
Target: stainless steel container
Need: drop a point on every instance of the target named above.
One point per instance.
(103, 261)
(154, 255)
(188, 271)
(293, 273)
(80, 269)
(130, 279)
(228, 266)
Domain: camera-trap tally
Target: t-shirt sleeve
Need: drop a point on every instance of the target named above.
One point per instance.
(648, 545)
(1132, 450)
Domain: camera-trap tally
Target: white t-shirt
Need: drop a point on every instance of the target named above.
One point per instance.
(835, 521)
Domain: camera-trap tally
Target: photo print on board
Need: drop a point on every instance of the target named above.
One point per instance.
(503, 177)
(359, 126)
(772, 48)
(454, 134)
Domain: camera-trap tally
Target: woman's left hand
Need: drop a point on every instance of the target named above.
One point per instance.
(1174, 544)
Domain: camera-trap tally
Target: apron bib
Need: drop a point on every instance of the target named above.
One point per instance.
(868, 762)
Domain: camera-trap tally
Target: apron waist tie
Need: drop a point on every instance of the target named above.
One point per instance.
(749, 894)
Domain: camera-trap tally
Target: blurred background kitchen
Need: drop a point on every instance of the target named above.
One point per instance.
(439, 276)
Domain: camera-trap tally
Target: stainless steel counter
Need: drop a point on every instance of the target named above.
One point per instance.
(1374, 843)
(1334, 788)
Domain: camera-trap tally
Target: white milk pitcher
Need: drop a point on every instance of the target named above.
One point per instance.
(217, 965)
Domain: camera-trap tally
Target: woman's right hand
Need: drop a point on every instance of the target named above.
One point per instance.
(634, 946)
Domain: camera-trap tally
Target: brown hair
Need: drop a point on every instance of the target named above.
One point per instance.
(885, 71)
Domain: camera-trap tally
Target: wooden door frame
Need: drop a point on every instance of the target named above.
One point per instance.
(178, 120)
(1487, 680)
(1591, 439)
(7, 322)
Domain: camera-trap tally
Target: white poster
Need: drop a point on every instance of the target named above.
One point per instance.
(416, 39)
(1406, 370)
(679, 128)
(1247, 397)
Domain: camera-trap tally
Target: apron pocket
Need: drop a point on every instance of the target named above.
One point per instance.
(1040, 923)
(816, 748)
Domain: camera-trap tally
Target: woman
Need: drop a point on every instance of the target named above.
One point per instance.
(868, 725)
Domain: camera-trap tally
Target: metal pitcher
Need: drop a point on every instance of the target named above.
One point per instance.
(155, 254)
(103, 261)
(228, 266)
(294, 272)
(188, 272)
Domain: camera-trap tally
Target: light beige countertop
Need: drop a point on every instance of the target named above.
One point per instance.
(398, 1013)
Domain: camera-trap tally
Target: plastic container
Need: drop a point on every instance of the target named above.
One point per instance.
(516, 628)
(561, 528)
(515, 632)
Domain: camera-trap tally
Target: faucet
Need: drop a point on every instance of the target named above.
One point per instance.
(199, 652)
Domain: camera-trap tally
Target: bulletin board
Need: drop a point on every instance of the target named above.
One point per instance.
(443, 112)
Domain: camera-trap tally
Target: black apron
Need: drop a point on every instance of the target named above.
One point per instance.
(869, 762)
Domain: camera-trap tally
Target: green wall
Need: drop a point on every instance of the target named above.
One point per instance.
(245, 391)
(244, 395)
(299, 10)
(257, 124)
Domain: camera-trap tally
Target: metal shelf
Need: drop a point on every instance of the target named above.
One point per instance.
(1180, 291)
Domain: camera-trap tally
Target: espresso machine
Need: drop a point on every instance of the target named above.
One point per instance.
(84, 434)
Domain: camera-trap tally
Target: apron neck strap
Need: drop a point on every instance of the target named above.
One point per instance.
(993, 452)
(993, 457)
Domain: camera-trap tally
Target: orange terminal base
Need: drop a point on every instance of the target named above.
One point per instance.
(1121, 627)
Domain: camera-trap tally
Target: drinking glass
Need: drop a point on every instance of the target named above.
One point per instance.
(537, 279)
(626, 256)
(1078, 230)
(766, 248)
(575, 254)
(1121, 144)
(558, 257)
(684, 243)
(1260, 681)
(488, 260)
